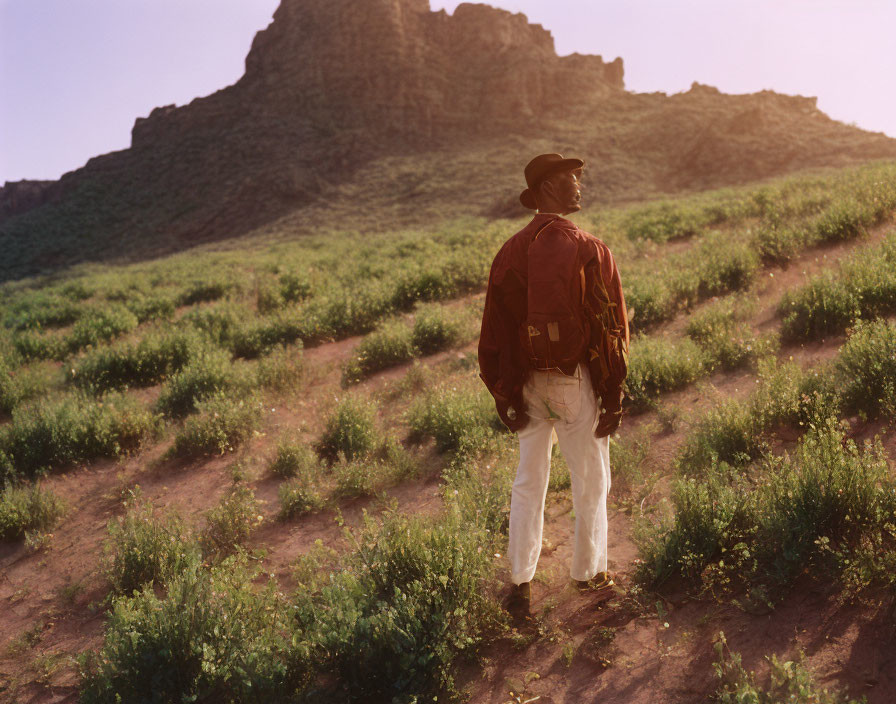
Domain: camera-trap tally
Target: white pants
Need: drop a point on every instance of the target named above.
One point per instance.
(568, 405)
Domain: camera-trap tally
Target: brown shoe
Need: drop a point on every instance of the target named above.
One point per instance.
(517, 604)
(601, 582)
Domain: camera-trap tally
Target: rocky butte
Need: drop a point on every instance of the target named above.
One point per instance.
(387, 107)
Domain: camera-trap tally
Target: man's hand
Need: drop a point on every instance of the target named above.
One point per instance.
(514, 415)
(608, 422)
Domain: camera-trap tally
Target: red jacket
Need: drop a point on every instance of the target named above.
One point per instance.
(503, 365)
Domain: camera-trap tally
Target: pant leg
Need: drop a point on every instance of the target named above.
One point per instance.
(527, 499)
(588, 458)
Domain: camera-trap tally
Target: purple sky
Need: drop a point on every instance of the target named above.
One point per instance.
(74, 74)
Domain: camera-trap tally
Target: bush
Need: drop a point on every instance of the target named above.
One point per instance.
(229, 524)
(350, 431)
(145, 548)
(724, 266)
(433, 330)
(202, 290)
(789, 682)
(100, 324)
(657, 365)
(282, 370)
(726, 339)
(391, 344)
(391, 624)
(298, 495)
(76, 429)
(294, 459)
(208, 373)
(221, 425)
(828, 304)
(729, 433)
(188, 645)
(454, 417)
(27, 508)
(42, 309)
(866, 369)
(814, 512)
(155, 357)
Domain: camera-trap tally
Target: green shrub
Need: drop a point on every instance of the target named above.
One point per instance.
(75, 429)
(145, 548)
(650, 301)
(258, 337)
(729, 433)
(391, 344)
(724, 266)
(220, 323)
(229, 524)
(663, 222)
(788, 682)
(294, 287)
(100, 324)
(726, 339)
(865, 287)
(866, 369)
(844, 220)
(779, 245)
(209, 372)
(41, 309)
(657, 365)
(413, 599)
(155, 357)
(211, 637)
(202, 290)
(827, 496)
(294, 459)
(150, 307)
(434, 330)
(282, 369)
(815, 512)
(350, 430)
(298, 495)
(26, 508)
(452, 417)
(712, 516)
(31, 344)
(222, 425)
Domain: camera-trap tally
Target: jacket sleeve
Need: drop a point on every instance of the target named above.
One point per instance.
(609, 348)
(500, 364)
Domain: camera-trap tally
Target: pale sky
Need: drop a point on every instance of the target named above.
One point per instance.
(74, 74)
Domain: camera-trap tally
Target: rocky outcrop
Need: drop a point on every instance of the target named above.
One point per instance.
(333, 89)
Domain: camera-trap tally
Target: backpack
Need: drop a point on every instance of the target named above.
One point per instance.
(555, 333)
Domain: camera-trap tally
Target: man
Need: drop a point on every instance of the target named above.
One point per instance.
(580, 398)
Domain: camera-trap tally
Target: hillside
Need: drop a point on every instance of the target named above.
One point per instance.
(294, 433)
(385, 114)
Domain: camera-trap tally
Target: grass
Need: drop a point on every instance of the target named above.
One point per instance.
(209, 373)
(155, 357)
(866, 369)
(221, 425)
(789, 681)
(453, 417)
(146, 547)
(229, 524)
(27, 508)
(726, 338)
(75, 429)
(808, 513)
(350, 431)
(829, 303)
(657, 365)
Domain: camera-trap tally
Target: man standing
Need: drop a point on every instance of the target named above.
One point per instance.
(553, 352)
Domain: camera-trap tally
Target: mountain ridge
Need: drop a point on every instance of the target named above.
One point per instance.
(333, 91)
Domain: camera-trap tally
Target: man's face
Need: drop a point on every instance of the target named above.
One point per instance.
(565, 190)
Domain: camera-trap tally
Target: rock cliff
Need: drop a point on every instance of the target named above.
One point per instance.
(341, 100)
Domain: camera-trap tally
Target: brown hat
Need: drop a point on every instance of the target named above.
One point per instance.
(539, 169)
